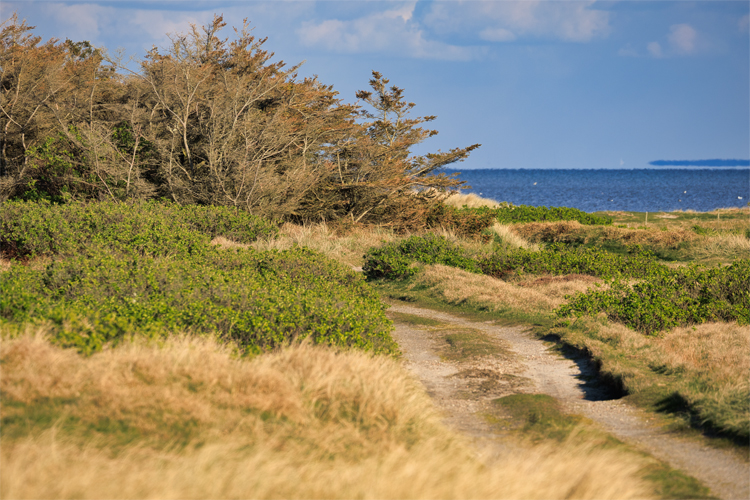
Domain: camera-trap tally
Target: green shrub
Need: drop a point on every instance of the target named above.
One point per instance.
(394, 261)
(512, 214)
(559, 259)
(670, 298)
(259, 300)
(150, 228)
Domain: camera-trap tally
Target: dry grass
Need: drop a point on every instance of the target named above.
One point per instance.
(456, 286)
(306, 422)
(348, 248)
(568, 231)
(512, 238)
(722, 245)
(470, 200)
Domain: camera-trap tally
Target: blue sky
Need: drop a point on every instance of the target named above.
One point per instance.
(541, 84)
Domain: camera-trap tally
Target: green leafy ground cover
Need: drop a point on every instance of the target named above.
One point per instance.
(149, 268)
(513, 214)
(29, 229)
(663, 297)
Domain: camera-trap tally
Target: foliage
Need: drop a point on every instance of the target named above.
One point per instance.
(259, 300)
(558, 259)
(394, 261)
(30, 229)
(662, 299)
(374, 175)
(672, 297)
(206, 121)
(512, 214)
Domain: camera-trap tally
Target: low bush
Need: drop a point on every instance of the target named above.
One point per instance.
(29, 229)
(670, 298)
(558, 259)
(663, 298)
(394, 261)
(511, 214)
(258, 300)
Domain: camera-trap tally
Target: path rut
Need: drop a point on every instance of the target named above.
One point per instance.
(533, 368)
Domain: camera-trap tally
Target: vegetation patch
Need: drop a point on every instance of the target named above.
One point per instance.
(464, 345)
(32, 229)
(187, 419)
(538, 416)
(671, 297)
(508, 213)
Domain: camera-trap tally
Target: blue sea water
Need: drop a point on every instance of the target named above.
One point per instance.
(644, 190)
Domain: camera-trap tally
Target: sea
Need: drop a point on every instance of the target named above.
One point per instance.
(634, 190)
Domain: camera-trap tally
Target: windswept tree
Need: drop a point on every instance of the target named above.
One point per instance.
(232, 128)
(211, 121)
(375, 176)
(59, 105)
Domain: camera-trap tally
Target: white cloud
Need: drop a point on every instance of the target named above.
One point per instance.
(654, 48)
(497, 35)
(682, 38)
(390, 31)
(86, 20)
(568, 21)
(627, 51)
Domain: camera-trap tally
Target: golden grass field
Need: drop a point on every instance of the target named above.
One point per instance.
(187, 419)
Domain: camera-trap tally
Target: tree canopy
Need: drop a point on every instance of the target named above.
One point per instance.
(207, 120)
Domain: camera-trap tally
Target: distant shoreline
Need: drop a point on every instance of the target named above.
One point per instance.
(599, 169)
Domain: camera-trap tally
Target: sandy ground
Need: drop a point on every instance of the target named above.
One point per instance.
(463, 391)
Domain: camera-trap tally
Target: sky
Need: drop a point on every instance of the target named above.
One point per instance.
(540, 84)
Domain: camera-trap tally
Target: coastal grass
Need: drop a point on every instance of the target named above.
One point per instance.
(186, 418)
(539, 418)
(698, 374)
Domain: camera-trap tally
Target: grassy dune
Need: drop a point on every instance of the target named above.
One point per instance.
(193, 416)
(187, 419)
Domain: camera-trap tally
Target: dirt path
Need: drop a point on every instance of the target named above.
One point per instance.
(464, 391)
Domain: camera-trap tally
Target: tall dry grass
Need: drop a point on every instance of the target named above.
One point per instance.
(348, 247)
(470, 200)
(456, 286)
(189, 420)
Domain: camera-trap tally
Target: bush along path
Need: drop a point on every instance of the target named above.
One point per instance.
(494, 382)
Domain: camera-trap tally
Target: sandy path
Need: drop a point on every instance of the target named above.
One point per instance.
(459, 391)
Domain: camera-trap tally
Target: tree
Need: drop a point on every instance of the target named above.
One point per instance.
(59, 105)
(374, 175)
(232, 128)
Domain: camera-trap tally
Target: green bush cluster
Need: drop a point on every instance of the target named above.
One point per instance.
(30, 229)
(560, 259)
(148, 267)
(671, 297)
(259, 300)
(512, 214)
(395, 260)
(663, 298)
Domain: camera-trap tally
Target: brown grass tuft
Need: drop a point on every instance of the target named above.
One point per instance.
(457, 286)
(470, 200)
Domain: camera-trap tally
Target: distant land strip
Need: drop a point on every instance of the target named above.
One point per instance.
(700, 163)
